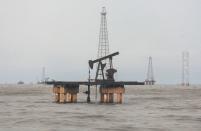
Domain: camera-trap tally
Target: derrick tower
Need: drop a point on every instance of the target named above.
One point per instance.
(150, 75)
(103, 47)
(185, 68)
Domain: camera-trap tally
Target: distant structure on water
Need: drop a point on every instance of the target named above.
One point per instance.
(185, 68)
(150, 75)
(20, 82)
(43, 75)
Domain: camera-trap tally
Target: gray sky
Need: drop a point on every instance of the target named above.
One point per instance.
(62, 35)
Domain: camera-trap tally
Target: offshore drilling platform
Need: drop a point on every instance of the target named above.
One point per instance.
(111, 91)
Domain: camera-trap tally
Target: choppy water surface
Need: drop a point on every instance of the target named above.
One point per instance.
(161, 108)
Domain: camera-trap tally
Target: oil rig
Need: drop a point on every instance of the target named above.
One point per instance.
(150, 75)
(111, 91)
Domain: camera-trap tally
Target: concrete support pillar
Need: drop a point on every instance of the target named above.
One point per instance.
(107, 93)
(111, 97)
(62, 98)
(119, 98)
(107, 97)
(66, 93)
(68, 97)
(56, 91)
(71, 98)
(101, 97)
(56, 95)
(74, 98)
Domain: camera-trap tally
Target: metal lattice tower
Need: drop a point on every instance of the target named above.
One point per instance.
(185, 68)
(150, 75)
(103, 47)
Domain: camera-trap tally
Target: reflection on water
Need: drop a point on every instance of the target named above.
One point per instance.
(155, 108)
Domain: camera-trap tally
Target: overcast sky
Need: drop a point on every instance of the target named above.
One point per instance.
(62, 35)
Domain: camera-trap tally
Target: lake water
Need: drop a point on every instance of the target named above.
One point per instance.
(144, 108)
